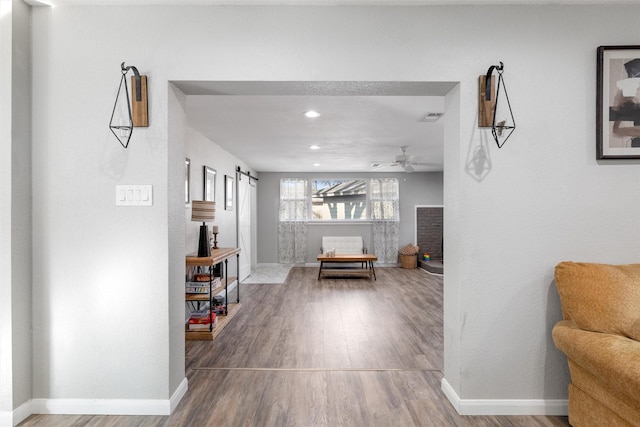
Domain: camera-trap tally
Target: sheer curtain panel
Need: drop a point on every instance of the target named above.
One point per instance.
(293, 222)
(385, 216)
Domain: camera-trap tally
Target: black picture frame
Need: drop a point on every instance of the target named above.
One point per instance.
(187, 181)
(209, 184)
(618, 102)
(228, 193)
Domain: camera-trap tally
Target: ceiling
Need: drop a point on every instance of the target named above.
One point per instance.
(263, 123)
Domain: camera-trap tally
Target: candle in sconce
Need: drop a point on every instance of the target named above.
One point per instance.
(214, 231)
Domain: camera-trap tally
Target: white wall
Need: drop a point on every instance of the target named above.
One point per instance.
(15, 210)
(415, 189)
(105, 286)
(177, 130)
(544, 199)
(6, 332)
(6, 374)
(101, 269)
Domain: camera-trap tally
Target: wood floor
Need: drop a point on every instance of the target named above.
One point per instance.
(334, 352)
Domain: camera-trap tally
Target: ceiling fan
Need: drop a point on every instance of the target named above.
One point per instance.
(407, 162)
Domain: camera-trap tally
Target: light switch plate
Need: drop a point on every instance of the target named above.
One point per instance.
(134, 195)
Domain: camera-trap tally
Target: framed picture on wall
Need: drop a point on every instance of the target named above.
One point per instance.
(187, 178)
(618, 102)
(209, 193)
(228, 193)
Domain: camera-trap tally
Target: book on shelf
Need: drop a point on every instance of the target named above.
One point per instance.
(202, 287)
(215, 281)
(201, 319)
(196, 289)
(202, 327)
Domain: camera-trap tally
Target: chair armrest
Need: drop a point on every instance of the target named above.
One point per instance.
(614, 359)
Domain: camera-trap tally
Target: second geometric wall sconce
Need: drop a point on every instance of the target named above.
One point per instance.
(494, 108)
(127, 113)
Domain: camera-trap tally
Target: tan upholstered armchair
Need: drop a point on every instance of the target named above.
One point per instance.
(600, 335)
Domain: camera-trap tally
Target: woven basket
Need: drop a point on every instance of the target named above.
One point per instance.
(409, 261)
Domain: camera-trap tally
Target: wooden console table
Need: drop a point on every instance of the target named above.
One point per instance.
(218, 256)
(367, 259)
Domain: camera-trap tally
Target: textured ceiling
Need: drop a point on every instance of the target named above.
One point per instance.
(263, 123)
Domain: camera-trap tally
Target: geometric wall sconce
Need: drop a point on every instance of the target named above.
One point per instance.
(127, 113)
(494, 108)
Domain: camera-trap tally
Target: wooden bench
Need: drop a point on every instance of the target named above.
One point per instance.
(365, 259)
(345, 250)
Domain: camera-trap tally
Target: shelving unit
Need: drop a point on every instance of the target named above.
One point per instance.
(218, 256)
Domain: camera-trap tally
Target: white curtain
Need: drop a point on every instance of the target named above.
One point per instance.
(385, 214)
(293, 225)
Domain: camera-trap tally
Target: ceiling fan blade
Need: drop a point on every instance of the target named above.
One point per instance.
(406, 161)
(380, 165)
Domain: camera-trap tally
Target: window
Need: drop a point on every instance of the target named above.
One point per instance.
(339, 199)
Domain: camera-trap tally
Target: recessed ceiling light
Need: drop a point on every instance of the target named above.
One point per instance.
(316, 164)
(315, 147)
(312, 114)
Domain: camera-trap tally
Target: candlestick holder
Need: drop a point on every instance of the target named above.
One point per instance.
(215, 241)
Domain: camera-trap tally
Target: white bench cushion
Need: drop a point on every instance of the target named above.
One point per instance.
(343, 245)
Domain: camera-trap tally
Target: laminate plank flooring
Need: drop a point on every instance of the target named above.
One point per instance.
(331, 352)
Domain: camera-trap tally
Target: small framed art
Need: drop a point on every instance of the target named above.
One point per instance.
(228, 193)
(187, 181)
(618, 102)
(209, 184)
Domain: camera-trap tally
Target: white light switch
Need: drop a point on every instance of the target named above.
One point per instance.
(134, 195)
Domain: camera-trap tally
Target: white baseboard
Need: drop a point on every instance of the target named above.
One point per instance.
(21, 413)
(548, 407)
(101, 406)
(109, 406)
(15, 417)
(178, 395)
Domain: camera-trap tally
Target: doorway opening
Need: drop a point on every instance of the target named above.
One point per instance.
(263, 235)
